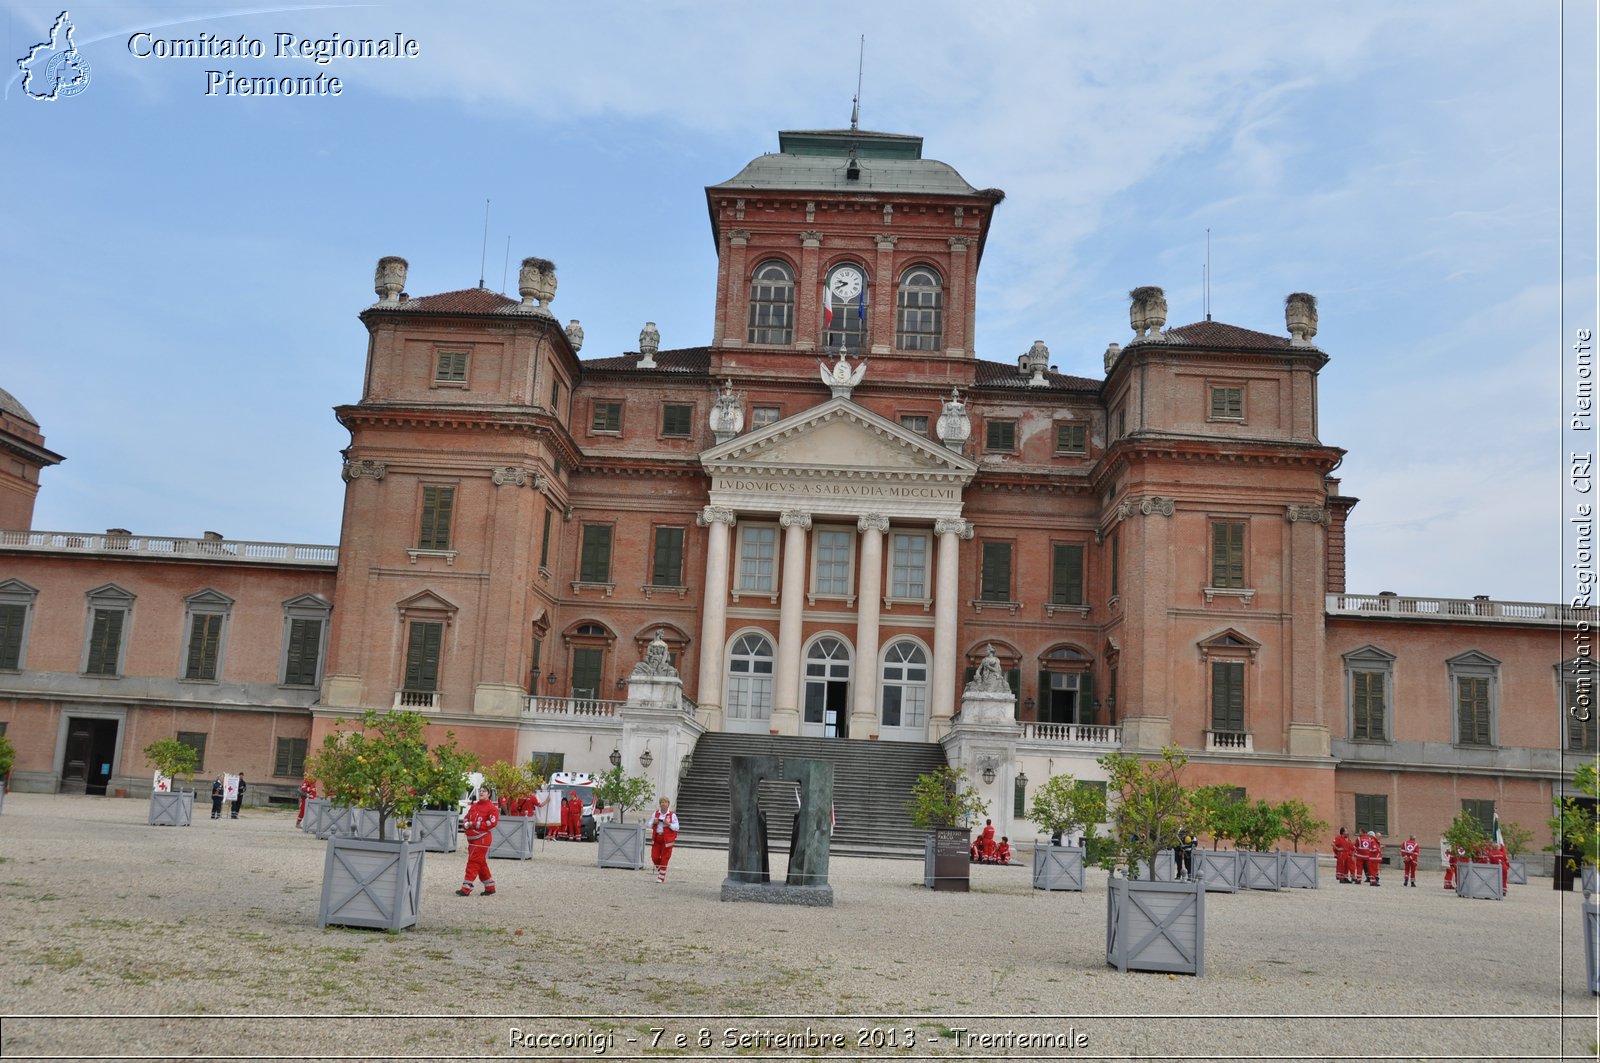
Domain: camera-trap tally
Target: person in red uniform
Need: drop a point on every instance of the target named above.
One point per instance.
(1002, 852)
(1456, 855)
(1498, 853)
(1408, 856)
(308, 789)
(480, 821)
(1367, 855)
(572, 816)
(986, 842)
(1344, 857)
(663, 832)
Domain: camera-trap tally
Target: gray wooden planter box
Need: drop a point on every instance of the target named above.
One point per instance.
(1298, 871)
(1479, 881)
(1259, 871)
(1591, 942)
(1166, 868)
(338, 820)
(1156, 926)
(1519, 872)
(620, 845)
(513, 838)
(371, 883)
(318, 809)
(947, 862)
(1218, 869)
(436, 830)
(1057, 867)
(172, 808)
(1589, 873)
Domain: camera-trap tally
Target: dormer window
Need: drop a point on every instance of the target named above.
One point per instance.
(772, 304)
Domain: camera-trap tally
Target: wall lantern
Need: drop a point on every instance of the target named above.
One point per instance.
(616, 758)
(988, 774)
(645, 759)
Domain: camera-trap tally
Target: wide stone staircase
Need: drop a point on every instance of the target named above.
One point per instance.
(871, 784)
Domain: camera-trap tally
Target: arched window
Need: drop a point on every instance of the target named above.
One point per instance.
(845, 307)
(905, 686)
(772, 304)
(919, 319)
(750, 679)
(826, 709)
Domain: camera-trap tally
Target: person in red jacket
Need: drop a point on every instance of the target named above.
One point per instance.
(986, 843)
(1498, 855)
(1408, 856)
(572, 816)
(480, 821)
(1343, 857)
(1457, 854)
(663, 832)
(308, 789)
(1002, 852)
(1368, 853)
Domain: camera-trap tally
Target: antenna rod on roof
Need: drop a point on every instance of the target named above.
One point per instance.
(505, 270)
(1206, 287)
(483, 256)
(855, 104)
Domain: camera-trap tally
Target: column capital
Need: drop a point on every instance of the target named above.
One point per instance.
(509, 474)
(714, 515)
(957, 526)
(355, 470)
(872, 522)
(795, 518)
(1298, 513)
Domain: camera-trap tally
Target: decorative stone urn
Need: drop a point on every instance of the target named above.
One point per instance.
(390, 279)
(954, 425)
(649, 344)
(575, 335)
(727, 414)
(1113, 351)
(1147, 312)
(1300, 314)
(536, 281)
(1035, 362)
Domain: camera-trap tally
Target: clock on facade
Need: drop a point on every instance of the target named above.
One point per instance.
(845, 283)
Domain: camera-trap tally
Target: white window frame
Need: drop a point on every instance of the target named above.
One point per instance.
(885, 684)
(748, 697)
(818, 534)
(927, 555)
(743, 583)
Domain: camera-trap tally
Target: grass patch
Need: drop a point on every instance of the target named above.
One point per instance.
(63, 961)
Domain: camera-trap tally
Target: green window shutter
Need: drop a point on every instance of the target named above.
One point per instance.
(544, 540)
(437, 504)
(1472, 694)
(305, 644)
(1372, 813)
(1482, 812)
(586, 672)
(1066, 575)
(1227, 696)
(1227, 554)
(422, 657)
(996, 586)
(1367, 705)
(595, 565)
(667, 569)
(290, 760)
(105, 640)
(12, 618)
(676, 420)
(1019, 799)
(205, 636)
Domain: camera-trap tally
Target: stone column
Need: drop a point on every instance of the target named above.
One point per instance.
(869, 599)
(714, 613)
(946, 609)
(786, 682)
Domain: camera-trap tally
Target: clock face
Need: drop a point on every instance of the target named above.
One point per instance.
(845, 283)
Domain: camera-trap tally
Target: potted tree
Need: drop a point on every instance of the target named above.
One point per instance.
(1216, 810)
(1476, 876)
(387, 768)
(513, 784)
(438, 822)
(1063, 806)
(621, 844)
(8, 757)
(943, 803)
(1150, 925)
(1260, 824)
(171, 758)
(1577, 826)
(1299, 824)
(1517, 839)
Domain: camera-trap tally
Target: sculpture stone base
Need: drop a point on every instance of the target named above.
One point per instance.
(777, 893)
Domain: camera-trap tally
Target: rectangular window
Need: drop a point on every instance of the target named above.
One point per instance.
(761, 416)
(1368, 716)
(1071, 438)
(607, 417)
(290, 760)
(555, 396)
(757, 554)
(105, 642)
(1227, 554)
(544, 540)
(451, 368)
(534, 666)
(195, 740)
(1066, 574)
(910, 578)
(996, 576)
(422, 657)
(595, 557)
(676, 420)
(301, 664)
(1472, 710)
(586, 661)
(1482, 812)
(915, 422)
(1000, 435)
(1227, 696)
(205, 640)
(1580, 713)
(833, 563)
(437, 503)
(1227, 404)
(666, 567)
(12, 618)
(1372, 813)
(1019, 798)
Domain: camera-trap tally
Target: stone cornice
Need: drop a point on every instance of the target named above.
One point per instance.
(517, 420)
(640, 467)
(1211, 451)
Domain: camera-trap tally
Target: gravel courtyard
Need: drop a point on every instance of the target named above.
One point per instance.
(121, 941)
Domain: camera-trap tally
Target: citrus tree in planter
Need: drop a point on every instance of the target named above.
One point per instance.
(1300, 823)
(1150, 809)
(172, 758)
(437, 823)
(621, 844)
(1517, 839)
(1215, 810)
(1063, 805)
(1465, 832)
(1260, 824)
(8, 757)
(944, 803)
(1577, 826)
(512, 784)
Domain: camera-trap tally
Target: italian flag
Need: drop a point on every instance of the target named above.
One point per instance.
(827, 307)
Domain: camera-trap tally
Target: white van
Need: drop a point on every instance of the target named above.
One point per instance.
(548, 815)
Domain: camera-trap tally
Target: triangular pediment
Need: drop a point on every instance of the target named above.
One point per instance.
(426, 602)
(837, 435)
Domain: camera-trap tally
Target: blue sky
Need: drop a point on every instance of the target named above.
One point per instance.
(181, 274)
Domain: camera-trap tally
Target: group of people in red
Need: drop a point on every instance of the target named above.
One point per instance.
(1356, 861)
(1487, 853)
(985, 850)
(571, 828)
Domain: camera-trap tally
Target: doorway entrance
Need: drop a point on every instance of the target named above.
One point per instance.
(90, 753)
(827, 698)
